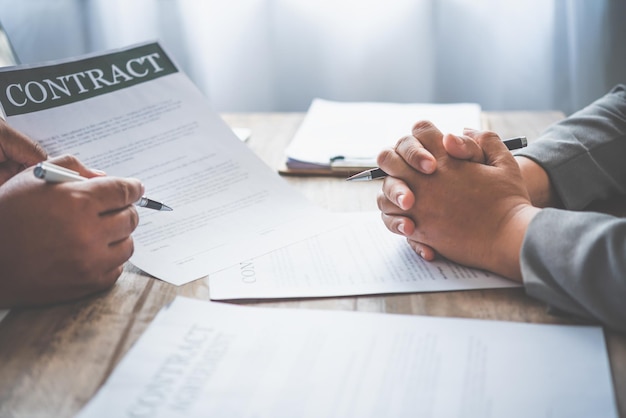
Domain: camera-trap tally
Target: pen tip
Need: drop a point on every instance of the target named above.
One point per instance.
(357, 177)
(166, 208)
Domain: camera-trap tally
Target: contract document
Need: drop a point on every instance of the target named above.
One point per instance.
(132, 113)
(207, 359)
(359, 258)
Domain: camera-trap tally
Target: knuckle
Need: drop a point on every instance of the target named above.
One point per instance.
(388, 189)
(395, 192)
(80, 201)
(489, 135)
(130, 248)
(411, 155)
(124, 191)
(422, 125)
(108, 279)
(415, 246)
(388, 221)
(398, 226)
(385, 157)
(74, 212)
(134, 218)
(105, 279)
(39, 150)
(407, 139)
(380, 200)
(68, 159)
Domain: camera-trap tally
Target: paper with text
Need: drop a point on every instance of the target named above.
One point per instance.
(206, 359)
(362, 257)
(132, 113)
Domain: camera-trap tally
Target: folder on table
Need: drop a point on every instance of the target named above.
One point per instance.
(343, 138)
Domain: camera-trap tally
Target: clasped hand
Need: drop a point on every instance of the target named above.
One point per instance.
(462, 197)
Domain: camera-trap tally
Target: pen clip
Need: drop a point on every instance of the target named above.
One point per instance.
(341, 162)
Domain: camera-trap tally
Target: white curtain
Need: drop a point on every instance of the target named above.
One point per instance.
(276, 55)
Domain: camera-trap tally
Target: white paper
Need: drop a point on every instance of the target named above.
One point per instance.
(358, 131)
(204, 359)
(228, 205)
(362, 257)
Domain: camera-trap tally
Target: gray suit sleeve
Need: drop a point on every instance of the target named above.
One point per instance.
(585, 154)
(576, 261)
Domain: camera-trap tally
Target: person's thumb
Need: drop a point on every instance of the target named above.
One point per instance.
(72, 163)
(496, 153)
(18, 148)
(463, 148)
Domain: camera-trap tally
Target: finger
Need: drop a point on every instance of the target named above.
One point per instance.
(400, 225)
(106, 269)
(117, 255)
(423, 250)
(108, 278)
(15, 146)
(122, 250)
(398, 192)
(496, 153)
(73, 163)
(386, 206)
(463, 148)
(113, 193)
(8, 169)
(120, 224)
(429, 137)
(415, 155)
(393, 164)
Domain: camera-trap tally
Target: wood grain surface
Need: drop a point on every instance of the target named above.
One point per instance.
(53, 359)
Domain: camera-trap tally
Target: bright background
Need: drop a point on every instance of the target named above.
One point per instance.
(276, 55)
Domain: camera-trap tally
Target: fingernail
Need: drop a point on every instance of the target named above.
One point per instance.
(468, 130)
(401, 228)
(459, 140)
(99, 172)
(421, 253)
(400, 199)
(426, 166)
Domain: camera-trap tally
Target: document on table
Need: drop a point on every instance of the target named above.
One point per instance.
(207, 359)
(336, 137)
(362, 257)
(132, 113)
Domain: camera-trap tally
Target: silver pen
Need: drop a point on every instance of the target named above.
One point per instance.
(377, 173)
(53, 173)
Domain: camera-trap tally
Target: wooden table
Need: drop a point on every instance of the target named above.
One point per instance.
(53, 359)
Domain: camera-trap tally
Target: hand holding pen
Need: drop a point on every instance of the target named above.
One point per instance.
(56, 174)
(62, 242)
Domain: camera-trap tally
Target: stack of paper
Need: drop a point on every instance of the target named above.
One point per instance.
(336, 138)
